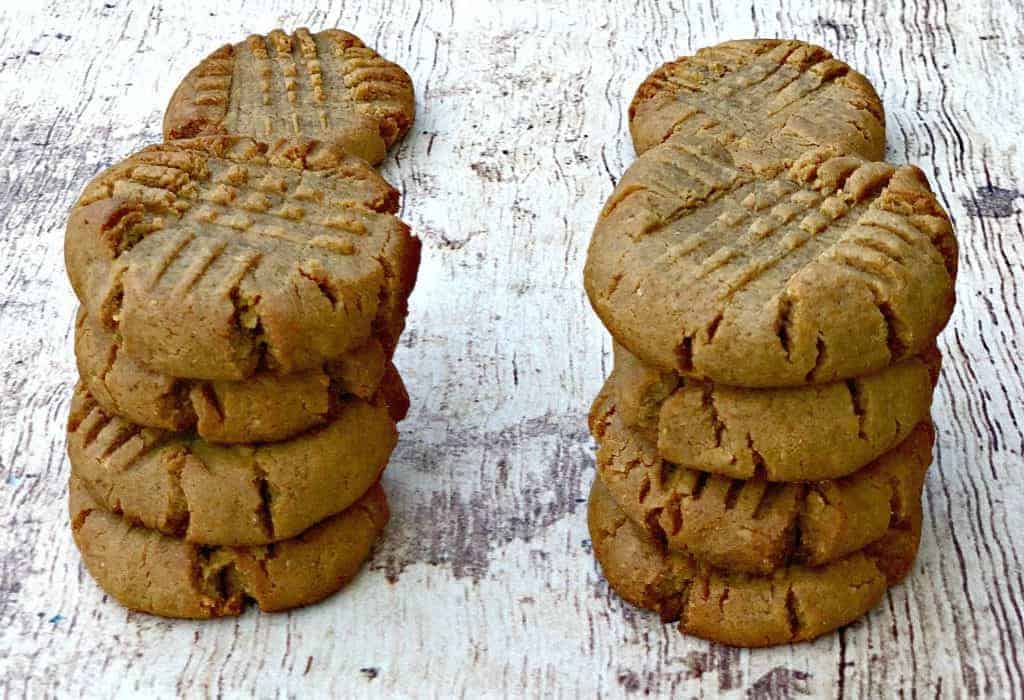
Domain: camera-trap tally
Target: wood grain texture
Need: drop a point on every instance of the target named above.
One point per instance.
(484, 584)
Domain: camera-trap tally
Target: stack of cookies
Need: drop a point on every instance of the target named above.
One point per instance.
(243, 287)
(774, 292)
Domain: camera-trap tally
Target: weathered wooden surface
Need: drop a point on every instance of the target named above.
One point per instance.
(484, 583)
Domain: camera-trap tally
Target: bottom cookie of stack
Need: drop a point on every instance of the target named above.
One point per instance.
(148, 571)
(796, 603)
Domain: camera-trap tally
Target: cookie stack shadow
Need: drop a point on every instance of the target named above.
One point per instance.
(243, 287)
(774, 293)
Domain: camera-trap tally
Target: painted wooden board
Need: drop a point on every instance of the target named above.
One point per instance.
(484, 584)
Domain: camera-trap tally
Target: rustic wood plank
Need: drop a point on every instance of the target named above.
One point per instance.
(484, 584)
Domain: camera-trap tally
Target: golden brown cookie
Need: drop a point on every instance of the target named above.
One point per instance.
(834, 268)
(768, 100)
(327, 86)
(153, 573)
(755, 526)
(219, 257)
(210, 494)
(263, 408)
(816, 432)
(793, 604)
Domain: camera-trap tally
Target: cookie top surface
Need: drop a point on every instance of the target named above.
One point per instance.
(211, 494)
(767, 99)
(217, 257)
(794, 604)
(263, 408)
(816, 432)
(327, 86)
(150, 572)
(832, 268)
(755, 526)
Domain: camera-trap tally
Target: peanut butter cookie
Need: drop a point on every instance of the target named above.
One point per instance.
(150, 572)
(793, 604)
(263, 408)
(218, 257)
(768, 100)
(816, 432)
(833, 268)
(327, 86)
(753, 525)
(208, 494)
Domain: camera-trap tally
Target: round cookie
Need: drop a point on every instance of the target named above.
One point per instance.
(793, 604)
(150, 572)
(768, 100)
(755, 526)
(327, 86)
(263, 408)
(220, 257)
(834, 268)
(815, 432)
(210, 494)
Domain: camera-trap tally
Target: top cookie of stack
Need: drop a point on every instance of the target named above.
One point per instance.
(327, 86)
(774, 293)
(218, 257)
(757, 243)
(248, 285)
